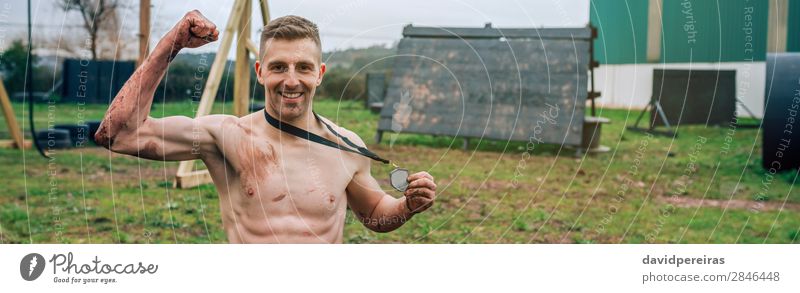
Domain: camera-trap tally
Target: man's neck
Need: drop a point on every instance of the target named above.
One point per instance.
(306, 121)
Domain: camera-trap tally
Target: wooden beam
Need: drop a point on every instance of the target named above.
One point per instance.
(241, 80)
(144, 31)
(252, 48)
(186, 178)
(11, 119)
(777, 26)
(654, 27)
(214, 77)
(192, 179)
(264, 20)
(10, 144)
(264, 11)
(218, 66)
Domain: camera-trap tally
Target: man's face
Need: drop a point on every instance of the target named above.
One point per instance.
(290, 72)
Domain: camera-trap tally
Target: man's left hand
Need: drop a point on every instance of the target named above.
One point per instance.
(421, 192)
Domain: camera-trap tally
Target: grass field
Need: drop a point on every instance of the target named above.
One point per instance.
(705, 186)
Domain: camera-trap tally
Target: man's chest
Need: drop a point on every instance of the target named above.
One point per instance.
(303, 176)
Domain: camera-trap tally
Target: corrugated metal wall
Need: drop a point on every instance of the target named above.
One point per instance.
(622, 31)
(714, 31)
(793, 27)
(693, 30)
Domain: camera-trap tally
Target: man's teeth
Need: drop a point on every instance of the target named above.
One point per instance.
(291, 95)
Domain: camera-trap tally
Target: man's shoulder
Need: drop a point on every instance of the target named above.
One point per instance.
(218, 124)
(352, 136)
(217, 119)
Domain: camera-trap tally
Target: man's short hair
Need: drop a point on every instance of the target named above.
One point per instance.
(290, 27)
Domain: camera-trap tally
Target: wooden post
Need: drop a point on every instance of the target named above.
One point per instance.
(777, 26)
(218, 66)
(264, 13)
(654, 27)
(11, 120)
(185, 177)
(144, 31)
(241, 80)
(240, 17)
(252, 47)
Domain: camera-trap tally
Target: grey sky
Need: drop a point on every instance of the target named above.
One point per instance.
(343, 24)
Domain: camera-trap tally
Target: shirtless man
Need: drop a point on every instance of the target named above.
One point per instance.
(273, 187)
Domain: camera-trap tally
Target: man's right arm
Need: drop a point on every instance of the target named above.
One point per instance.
(127, 126)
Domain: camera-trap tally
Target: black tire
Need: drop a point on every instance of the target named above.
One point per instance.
(78, 134)
(54, 139)
(93, 127)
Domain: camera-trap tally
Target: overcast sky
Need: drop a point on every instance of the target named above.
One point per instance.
(342, 23)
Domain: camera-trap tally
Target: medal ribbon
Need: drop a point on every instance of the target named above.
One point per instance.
(301, 133)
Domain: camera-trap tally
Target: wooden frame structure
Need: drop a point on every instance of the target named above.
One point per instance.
(144, 31)
(239, 24)
(17, 139)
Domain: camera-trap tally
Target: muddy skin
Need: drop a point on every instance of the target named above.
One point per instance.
(125, 112)
(256, 165)
(279, 197)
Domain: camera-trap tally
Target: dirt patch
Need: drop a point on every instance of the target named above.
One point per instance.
(688, 202)
(487, 185)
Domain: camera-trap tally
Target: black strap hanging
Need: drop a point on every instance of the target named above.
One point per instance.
(301, 133)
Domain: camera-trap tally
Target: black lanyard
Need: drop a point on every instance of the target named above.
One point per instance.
(291, 129)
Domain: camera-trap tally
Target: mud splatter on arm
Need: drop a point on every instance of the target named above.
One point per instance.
(131, 107)
(127, 126)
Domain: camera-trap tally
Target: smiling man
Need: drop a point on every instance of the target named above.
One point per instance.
(274, 187)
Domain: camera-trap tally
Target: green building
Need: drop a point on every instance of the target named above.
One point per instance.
(637, 36)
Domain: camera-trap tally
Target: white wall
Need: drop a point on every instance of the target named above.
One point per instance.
(630, 86)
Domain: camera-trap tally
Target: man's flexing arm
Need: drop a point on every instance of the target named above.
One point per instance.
(127, 127)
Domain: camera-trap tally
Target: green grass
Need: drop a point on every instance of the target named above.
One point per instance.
(491, 192)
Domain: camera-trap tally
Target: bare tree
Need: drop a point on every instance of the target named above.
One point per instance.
(110, 46)
(95, 13)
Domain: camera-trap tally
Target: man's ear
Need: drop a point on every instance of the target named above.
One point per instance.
(322, 69)
(258, 73)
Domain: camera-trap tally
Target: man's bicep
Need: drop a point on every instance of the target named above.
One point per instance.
(364, 193)
(173, 138)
